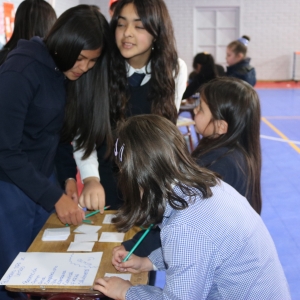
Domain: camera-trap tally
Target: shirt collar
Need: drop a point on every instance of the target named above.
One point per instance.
(144, 70)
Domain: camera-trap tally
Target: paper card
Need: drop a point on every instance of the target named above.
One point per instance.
(107, 219)
(87, 237)
(87, 228)
(123, 276)
(42, 268)
(56, 234)
(81, 246)
(113, 237)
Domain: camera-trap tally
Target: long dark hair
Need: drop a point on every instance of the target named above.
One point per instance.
(87, 121)
(207, 62)
(237, 103)
(33, 18)
(152, 156)
(164, 61)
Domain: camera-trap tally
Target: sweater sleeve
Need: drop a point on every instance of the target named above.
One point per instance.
(16, 95)
(65, 163)
(150, 243)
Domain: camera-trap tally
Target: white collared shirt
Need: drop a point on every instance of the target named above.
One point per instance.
(180, 80)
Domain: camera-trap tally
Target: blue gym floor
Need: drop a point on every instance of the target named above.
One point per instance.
(280, 141)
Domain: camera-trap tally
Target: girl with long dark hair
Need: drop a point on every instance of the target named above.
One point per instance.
(33, 82)
(146, 77)
(33, 18)
(228, 118)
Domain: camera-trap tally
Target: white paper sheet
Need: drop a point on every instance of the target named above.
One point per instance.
(123, 276)
(81, 246)
(113, 237)
(87, 228)
(43, 268)
(86, 237)
(107, 219)
(56, 234)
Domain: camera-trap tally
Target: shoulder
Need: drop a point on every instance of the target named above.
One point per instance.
(181, 63)
(182, 67)
(230, 165)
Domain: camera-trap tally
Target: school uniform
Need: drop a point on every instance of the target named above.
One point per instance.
(205, 75)
(32, 101)
(230, 165)
(3, 54)
(138, 104)
(232, 168)
(243, 70)
(217, 248)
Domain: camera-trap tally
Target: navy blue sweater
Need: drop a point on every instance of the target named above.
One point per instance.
(32, 101)
(243, 70)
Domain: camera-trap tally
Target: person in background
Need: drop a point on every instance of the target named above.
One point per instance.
(205, 70)
(238, 64)
(33, 18)
(213, 244)
(112, 5)
(33, 81)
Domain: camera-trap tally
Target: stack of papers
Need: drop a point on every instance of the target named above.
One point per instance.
(56, 234)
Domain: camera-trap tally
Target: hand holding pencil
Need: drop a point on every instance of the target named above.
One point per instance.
(134, 264)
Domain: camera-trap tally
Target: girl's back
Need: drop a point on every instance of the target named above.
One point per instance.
(217, 239)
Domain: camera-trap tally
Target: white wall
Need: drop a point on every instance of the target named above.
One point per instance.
(273, 26)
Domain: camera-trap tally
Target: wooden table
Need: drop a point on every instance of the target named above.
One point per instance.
(80, 292)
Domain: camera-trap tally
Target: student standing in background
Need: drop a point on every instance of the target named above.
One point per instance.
(33, 82)
(33, 18)
(238, 64)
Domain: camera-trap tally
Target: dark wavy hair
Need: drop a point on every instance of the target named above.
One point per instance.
(33, 18)
(153, 157)
(164, 61)
(87, 121)
(237, 103)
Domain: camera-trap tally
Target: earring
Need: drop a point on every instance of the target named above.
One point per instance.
(55, 53)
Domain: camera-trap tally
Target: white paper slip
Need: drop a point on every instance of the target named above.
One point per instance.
(107, 219)
(87, 228)
(42, 268)
(113, 237)
(56, 234)
(123, 276)
(81, 246)
(86, 237)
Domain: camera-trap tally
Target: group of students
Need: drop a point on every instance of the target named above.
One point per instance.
(86, 85)
(205, 68)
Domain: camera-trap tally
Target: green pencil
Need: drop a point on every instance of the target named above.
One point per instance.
(95, 212)
(88, 221)
(137, 243)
